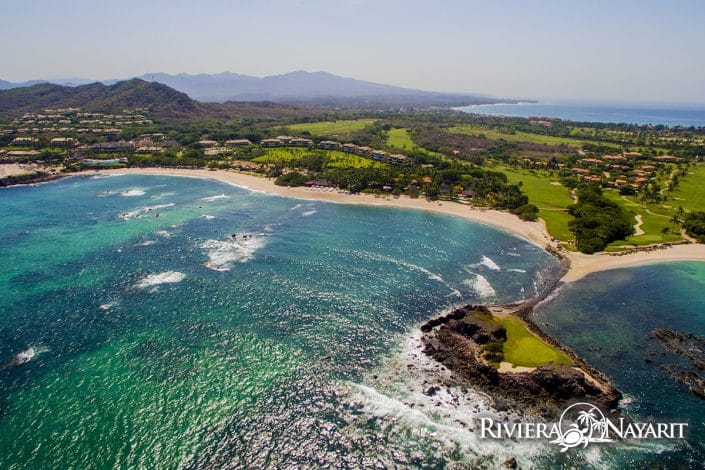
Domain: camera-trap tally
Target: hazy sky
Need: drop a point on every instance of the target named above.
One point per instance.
(619, 50)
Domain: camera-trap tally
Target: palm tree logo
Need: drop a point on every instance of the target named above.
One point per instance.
(589, 426)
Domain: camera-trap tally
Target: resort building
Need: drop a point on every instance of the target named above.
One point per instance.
(271, 143)
(63, 142)
(300, 142)
(350, 148)
(207, 143)
(22, 153)
(397, 159)
(379, 155)
(25, 141)
(238, 142)
(329, 145)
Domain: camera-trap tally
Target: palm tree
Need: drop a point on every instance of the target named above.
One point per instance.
(675, 220)
(665, 231)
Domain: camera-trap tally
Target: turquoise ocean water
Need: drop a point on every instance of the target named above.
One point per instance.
(159, 321)
(173, 322)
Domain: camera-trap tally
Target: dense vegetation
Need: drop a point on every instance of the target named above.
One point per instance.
(598, 220)
(694, 224)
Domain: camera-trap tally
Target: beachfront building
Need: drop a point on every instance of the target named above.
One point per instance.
(329, 145)
(321, 183)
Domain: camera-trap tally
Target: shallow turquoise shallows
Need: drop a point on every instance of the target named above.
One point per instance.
(162, 322)
(607, 318)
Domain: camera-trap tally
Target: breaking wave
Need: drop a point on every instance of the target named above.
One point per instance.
(25, 356)
(239, 248)
(155, 280)
(481, 286)
(489, 263)
(215, 198)
(308, 213)
(413, 392)
(138, 213)
(133, 192)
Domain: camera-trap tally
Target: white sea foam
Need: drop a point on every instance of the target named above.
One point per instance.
(162, 233)
(516, 270)
(207, 217)
(481, 286)
(137, 213)
(25, 356)
(489, 263)
(147, 243)
(395, 394)
(297, 206)
(215, 198)
(308, 213)
(240, 248)
(107, 175)
(155, 280)
(108, 306)
(133, 192)
(163, 195)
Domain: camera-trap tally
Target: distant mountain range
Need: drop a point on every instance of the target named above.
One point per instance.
(295, 87)
(161, 101)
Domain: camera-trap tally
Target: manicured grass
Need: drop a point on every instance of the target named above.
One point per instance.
(324, 128)
(400, 139)
(653, 221)
(690, 193)
(551, 199)
(333, 158)
(523, 348)
(494, 134)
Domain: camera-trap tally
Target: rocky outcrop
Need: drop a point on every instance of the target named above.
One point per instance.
(689, 352)
(460, 342)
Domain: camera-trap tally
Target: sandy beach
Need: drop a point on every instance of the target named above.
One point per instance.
(534, 232)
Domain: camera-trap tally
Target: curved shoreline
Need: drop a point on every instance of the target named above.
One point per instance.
(580, 264)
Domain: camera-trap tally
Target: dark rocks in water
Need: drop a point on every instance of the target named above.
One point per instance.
(457, 341)
(431, 391)
(510, 463)
(690, 350)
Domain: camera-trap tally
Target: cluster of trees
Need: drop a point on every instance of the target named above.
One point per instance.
(598, 221)
(694, 224)
(489, 187)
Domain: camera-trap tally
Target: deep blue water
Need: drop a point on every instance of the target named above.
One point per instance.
(163, 322)
(667, 115)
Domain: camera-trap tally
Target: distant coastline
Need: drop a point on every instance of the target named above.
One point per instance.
(671, 115)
